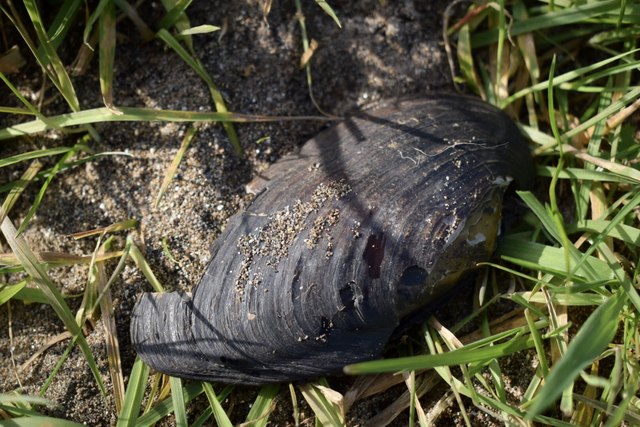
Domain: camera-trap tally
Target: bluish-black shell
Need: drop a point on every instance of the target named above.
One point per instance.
(374, 219)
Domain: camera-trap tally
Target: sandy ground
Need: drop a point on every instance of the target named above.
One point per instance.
(384, 50)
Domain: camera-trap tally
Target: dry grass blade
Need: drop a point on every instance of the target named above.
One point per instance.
(308, 53)
(265, 5)
(33, 267)
(11, 61)
(308, 49)
(369, 385)
(50, 343)
(110, 331)
(387, 415)
(117, 226)
(133, 16)
(626, 171)
(326, 403)
(107, 26)
(57, 258)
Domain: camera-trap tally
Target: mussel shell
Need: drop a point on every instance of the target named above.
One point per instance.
(374, 219)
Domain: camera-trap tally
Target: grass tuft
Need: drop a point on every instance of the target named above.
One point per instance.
(564, 70)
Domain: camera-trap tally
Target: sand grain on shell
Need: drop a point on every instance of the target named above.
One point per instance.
(274, 239)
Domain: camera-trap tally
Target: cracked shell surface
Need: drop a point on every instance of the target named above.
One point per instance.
(373, 220)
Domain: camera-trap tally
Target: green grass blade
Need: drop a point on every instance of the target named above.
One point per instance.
(38, 274)
(263, 405)
(50, 59)
(45, 173)
(31, 295)
(144, 267)
(24, 399)
(626, 233)
(165, 407)
(138, 114)
(221, 417)
(38, 199)
(550, 259)
(568, 76)
(171, 171)
(93, 18)
(570, 15)
(16, 190)
(173, 15)
(134, 394)
(592, 338)
(216, 96)
(30, 107)
(177, 398)
(62, 23)
(584, 175)
(329, 11)
(7, 291)
(456, 357)
(181, 22)
(30, 155)
(465, 59)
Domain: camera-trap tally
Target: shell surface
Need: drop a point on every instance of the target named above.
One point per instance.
(375, 219)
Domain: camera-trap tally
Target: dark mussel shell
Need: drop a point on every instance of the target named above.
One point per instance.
(373, 220)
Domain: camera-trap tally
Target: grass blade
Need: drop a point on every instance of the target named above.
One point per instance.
(36, 271)
(177, 398)
(222, 419)
(456, 357)
(566, 16)
(263, 406)
(110, 329)
(40, 421)
(7, 291)
(165, 407)
(30, 155)
(118, 226)
(17, 190)
(135, 392)
(592, 338)
(107, 26)
(50, 59)
(323, 401)
(144, 267)
(38, 199)
(329, 11)
(171, 171)
(137, 114)
(173, 15)
(216, 96)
